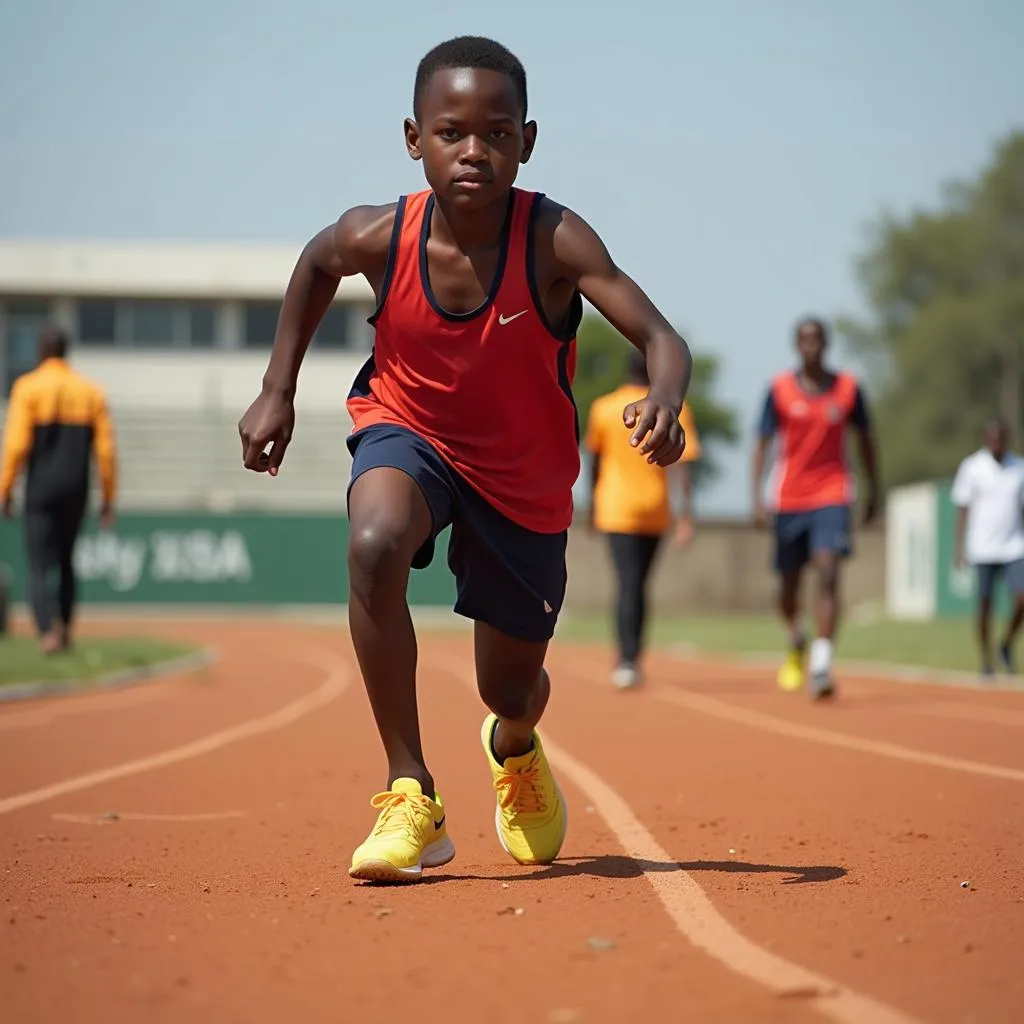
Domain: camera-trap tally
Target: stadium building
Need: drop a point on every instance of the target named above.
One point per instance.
(179, 335)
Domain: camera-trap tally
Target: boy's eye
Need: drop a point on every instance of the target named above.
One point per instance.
(499, 134)
(449, 134)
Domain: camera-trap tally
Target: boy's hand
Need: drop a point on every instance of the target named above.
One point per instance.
(656, 420)
(269, 420)
(870, 513)
(682, 536)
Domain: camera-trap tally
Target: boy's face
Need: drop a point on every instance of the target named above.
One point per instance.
(470, 136)
(811, 345)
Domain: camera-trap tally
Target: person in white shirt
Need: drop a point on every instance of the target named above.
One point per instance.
(989, 494)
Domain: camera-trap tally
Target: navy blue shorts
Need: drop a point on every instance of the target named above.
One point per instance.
(989, 573)
(506, 576)
(801, 535)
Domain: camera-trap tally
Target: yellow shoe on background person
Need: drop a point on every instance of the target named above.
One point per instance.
(410, 834)
(791, 671)
(531, 817)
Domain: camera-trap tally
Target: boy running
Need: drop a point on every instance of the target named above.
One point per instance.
(811, 493)
(464, 415)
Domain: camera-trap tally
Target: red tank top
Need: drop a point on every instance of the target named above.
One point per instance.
(811, 470)
(491, 389)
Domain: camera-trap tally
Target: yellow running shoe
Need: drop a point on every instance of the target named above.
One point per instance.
(531, 817)
(410, 835)
(791, 671)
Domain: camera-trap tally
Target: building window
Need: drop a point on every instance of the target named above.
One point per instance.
(97, 321)
(147, 323)
(151, 324)
(20, 326)
(333, 330)
(30, 308)
(260, 324)
(203, 324)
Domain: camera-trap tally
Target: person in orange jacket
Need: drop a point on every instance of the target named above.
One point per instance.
(57, 423)
(631, 505)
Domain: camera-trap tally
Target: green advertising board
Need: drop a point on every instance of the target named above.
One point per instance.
(245, 559)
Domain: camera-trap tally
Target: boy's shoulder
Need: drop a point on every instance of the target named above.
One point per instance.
(553, 216)
(366, 224)
(563, 240)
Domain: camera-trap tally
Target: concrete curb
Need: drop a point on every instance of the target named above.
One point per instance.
(428, 616)
(33, 690)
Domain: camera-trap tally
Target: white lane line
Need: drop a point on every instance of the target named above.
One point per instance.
(329, 690)
(690, 908)
(816, 734)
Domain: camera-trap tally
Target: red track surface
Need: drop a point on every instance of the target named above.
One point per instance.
(785, 861)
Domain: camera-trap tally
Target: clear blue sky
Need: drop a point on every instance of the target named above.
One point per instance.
(731, 154)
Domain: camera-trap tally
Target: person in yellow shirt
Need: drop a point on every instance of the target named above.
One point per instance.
(631, 504)
(57, 422)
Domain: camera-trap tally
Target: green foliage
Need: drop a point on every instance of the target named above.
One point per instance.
(945, 340)
(601, 361)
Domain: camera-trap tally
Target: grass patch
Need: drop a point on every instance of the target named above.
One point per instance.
(947, 644)
(91, 657)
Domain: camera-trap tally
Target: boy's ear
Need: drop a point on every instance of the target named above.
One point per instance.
(529, 141)
(412, 139)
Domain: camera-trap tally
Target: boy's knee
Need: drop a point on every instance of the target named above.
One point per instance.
(828, 575)
(379, 547)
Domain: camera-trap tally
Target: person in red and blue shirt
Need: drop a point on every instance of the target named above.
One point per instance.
(810, 493)
(464, 417)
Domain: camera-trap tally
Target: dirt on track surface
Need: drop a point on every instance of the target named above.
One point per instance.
(178, 851)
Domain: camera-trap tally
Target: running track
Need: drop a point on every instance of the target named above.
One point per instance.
(734, 854)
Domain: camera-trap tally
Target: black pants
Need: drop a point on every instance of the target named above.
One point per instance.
(633, 555)
(51, 530)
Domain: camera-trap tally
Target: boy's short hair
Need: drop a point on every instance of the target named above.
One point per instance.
(815, 322)
(469, 52)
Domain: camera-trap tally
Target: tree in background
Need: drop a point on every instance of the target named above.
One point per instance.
(945, 340)
(601, 367)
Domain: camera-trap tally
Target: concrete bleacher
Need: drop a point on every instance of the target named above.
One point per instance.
(176, 461)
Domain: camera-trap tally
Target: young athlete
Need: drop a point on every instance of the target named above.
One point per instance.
(464, 415)
(812, 493)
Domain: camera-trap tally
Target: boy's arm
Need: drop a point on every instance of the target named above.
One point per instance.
(104, 447)
(682, 482)
(861, 421)
(592, 441)
(582, 259)
(960, 495)
(765, 432)
(356, 243)
(16, 447)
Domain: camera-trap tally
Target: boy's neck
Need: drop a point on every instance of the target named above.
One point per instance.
(470, 229)
(817, 375)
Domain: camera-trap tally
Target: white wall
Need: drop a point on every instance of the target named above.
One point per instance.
(911, 550)
(227, 380)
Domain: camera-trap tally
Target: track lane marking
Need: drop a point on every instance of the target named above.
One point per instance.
(338, 678)
(691, 910)
(817, 734)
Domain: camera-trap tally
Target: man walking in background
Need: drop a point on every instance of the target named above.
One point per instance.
(811, 493)
(630, 503)
(57, 422)
(988, 492)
